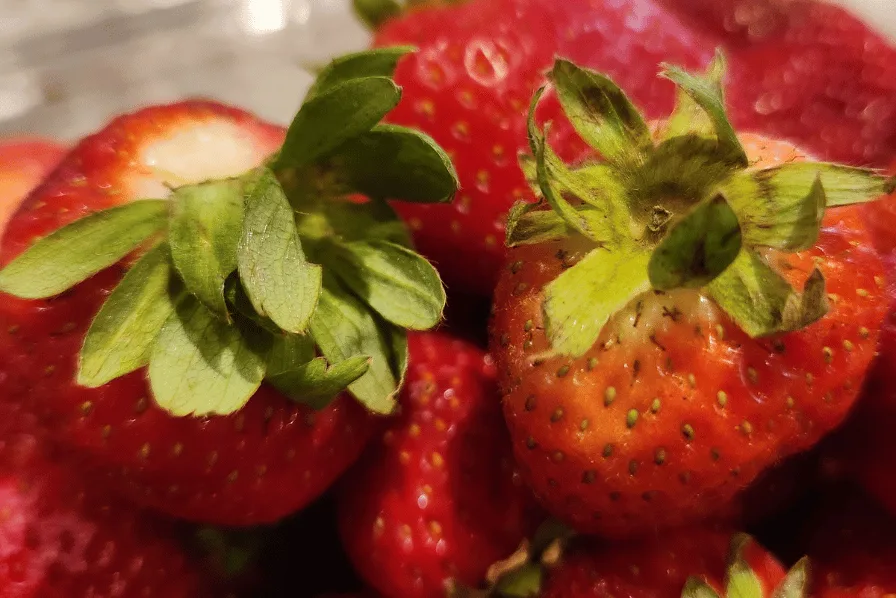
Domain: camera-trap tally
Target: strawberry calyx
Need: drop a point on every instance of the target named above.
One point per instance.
(742, 580)
(376, 12)
(677, 207)
(297, 272)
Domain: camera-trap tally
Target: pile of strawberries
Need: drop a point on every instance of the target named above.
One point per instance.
(644, 355)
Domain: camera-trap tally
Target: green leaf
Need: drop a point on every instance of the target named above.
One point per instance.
(204, 232)
(202, 366)
(238, 304)
(287, 352)
(399, 284)
(331, 118)
(121, 336)
(528, 225)
(795, 583)
(343, 328)
(279, 281)
(397, 339)
(689, 117)
(392, 162)
(782, 220)
(374, 220)
(579, 302)
(697, 248)
(378, 62)
(602, 114)
(79, 250)
(761, 302)
(315, 384)
(707, 93)
(376, 12)
(697, 588)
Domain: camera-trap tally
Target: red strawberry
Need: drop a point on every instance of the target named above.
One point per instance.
(649, 379)
(23, 163)
(60, 537)
(659, 566)
(806, 71)
(851, 548)
(469, 86)
(438, 499)
(246, 306)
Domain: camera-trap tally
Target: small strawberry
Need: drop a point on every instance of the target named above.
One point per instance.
(60, 537)
(683, 563)
(807, 71)
(438, 500)
(198, 374)
(653, 351)
(852, 548)
(24, 161)
(469, 84)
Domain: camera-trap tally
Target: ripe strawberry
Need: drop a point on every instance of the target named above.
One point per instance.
(60, 537)
(832, 86)
(654, 356)
(660, 566)
(208, 431)
(23, 163)
(438, 500)
(851, 548)
(468, 87)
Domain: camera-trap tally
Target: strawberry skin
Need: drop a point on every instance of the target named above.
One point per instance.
(438, 498)
(675, 409)
(655, 567)
(469, 86)
(851, 548)
(60, 537)
(832, 89)
(258, 465)
(23, 163)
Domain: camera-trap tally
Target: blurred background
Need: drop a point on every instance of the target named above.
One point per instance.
(66, 66)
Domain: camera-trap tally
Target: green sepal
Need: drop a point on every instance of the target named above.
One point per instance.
(376, 12)
(377, 62)
(772, 217)
(707, 93)
(204, 231)
(695, 587)
(316, 383)
(343, 327)
(334, 116)
(240, 306)
(373, 220)
(527, 224)
(689, 117)
(581, 300)
(396, 282)
(761, 302)
(795, 584)
(681, 171)
(524, 582)
(121, 337)
(393, 162)
(697, 248)
(602, 114)
(281, 284)
(202, 366)
(79, 250)
(742, 581)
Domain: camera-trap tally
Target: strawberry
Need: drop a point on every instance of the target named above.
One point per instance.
(23, 163)
(468, 86)
(654, 354)
(851, 548)
(660, 566)
(438, 500)
(209, 383)
(60, 538)
(806, 71)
